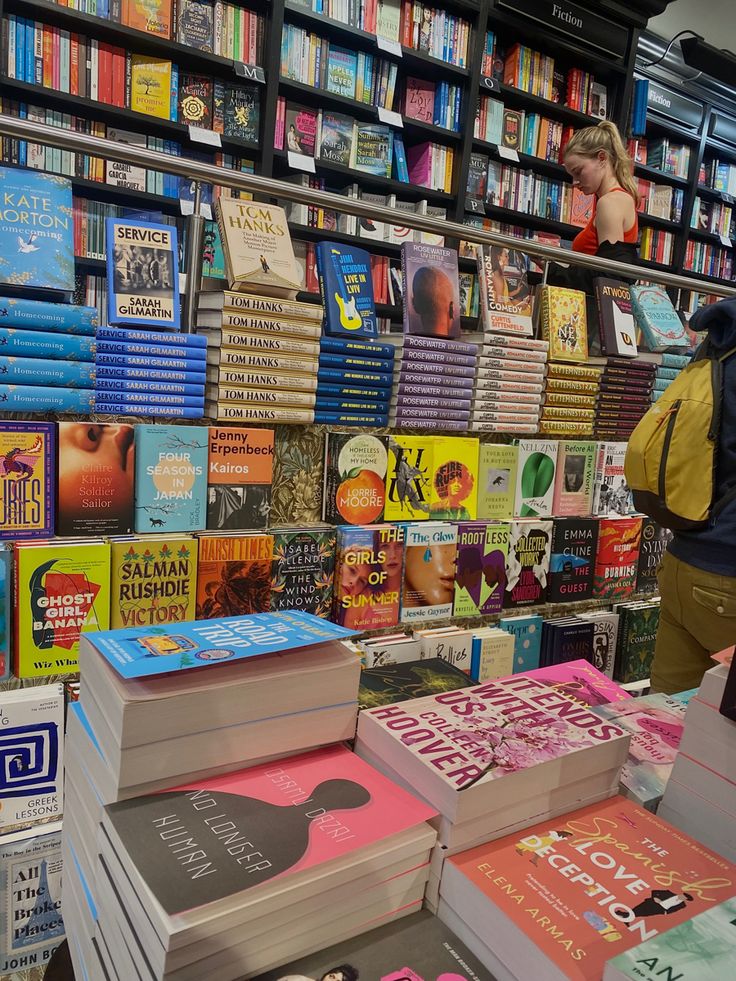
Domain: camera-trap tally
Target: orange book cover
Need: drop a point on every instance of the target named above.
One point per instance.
(233, 575)
(239, 476)
(589, 885)
(149, 16)
(581, 208)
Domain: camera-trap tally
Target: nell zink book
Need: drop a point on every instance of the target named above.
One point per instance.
(142, 273)
(431, 290)
(346, 286)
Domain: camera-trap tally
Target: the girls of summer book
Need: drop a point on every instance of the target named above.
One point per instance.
(431, 290)
(505, 297)
(170, 478)
(368, 576)
(142, 274)
(259, 257)
(27, 469)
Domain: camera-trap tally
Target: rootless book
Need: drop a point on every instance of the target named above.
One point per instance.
(142, 273)
(302, 570)
(480, 575)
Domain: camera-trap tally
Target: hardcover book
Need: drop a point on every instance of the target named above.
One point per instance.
(429, 571)
(527, 563)
(480, 575)
(583, 683)
(239, 477)
(60, 591)
(195, 101)
(142, 273)
(654, 542)
(153, 580)
(368, 576)
(564, 324)
(566, 639)
(497, 480)
(301, 130)
(617, 557)
(605, 639)
(302, 570)
(637, 637)
(233, 575)
(535, 477)
(374, 149)
(505, 298)
(170, 478)
(408, 478)
(527, 633)
(656, 318)
(431, 289)
(27, 468)
(37, 315)
(346, 286)
(354, 490)
(257, 247)
(611, 495)
(574, 478)
(453, 484)
(574, 546)
(96, 479)
(615, 318)
(242, 112)
(150, 86)
(336, 138)
(342, 66)
(419, 97)
(195, 24)
(151, 17)
(37, 230)
(400, 682)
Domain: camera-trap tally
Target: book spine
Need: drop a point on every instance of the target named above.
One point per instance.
(349, 419)
(38, 344)
(433, 391)
(147, 409)
(261, 414)
(358, 377)
(195, 355)
(150, 398)
(167, 338)
(497, 427)
(355, 363)
(263, 379)
(438, 368)
(149, 374)
(150, 388)
(234, 323)
(353, 392)
(269, 307)
(439, 357)
(422, 422)
(38, 315)
(42, 371)
(270, 345)
(34, 399)
(518, 355)
(436, 411)
(436, 381)
(348, 405)
(531, 369)
(258, 396)
(140, 361)
(335, 345)
(413, 342)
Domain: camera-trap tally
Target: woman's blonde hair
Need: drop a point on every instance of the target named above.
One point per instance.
(589, 142)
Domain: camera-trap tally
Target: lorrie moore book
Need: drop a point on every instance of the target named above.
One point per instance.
(142, 273)
(431, 290)
(354, 490)
(27, 469)
(259, 257)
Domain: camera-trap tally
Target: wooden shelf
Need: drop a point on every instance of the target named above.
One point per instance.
(666, 224)
(526, 161)
(541, 105)
(711, 237)
(713, 194)
(659, 177)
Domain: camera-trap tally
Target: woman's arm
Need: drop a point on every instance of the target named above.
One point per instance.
(610, 217)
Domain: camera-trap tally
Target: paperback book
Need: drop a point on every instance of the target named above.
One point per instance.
(429, 571)
(535, 477)
(497, 480)
(527, 563)
(302, 569)
(480, 576)
(142, 274)
(617, 557)
(505, 298)
(615, 318)
(354, 490)
(391, 683)
(153, 580)
(564, 324)
(233, 575)
(431, 290)
(171, 478)
(527, 633)
(368, 576)
(638, 625)
(346, 286)
(453, 488)
(574, 478)
(657, 319)
(572, 563)
(654, 542)
(240, 474)
(27, 469)
(6, 610)
(408, 478)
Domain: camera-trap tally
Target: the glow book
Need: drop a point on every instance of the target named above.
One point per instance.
(429, 570)
(233, 575)
(27, 468)
(154, 580)
(368, 576)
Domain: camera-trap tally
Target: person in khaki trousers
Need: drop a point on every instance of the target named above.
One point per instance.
(697, 579)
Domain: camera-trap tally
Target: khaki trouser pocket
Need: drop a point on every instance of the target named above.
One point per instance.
(714, 617)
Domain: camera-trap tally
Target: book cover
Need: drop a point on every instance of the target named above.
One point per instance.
(656, 318)
(574, 546)
(139, 652)
(195, 101)
(605, 639)
(301, 129)
(346, 286)
(574, 478)
(37, 315)
(493, 654)
(581, 207)
(583, 683)
(408, 478)
(61, 590)
(611, 495)
(497, 465)
(153, 580)
(368, 576)
(513, 125)
(419, 95)
(342, 66)
(527, 632)
(527, 563)
(195, 24)
(30, 887)
(170, 478)
(336, 138)
(242, 112)
(257, 247)
(637, 637)
(239, 477)
(535, 477)
(566, 639)
(654, 542)
(369, 807)
(431, 289)
(564, 324)
(302, 570)
(150, 86)
(27, 469)
(615, 318)
(37, 230)
(390, 683)
(96, 479)
(6, 610)
(453, 484)
(429, 571)
(505, 297)
(233, 575)
(354, 490)
(606, 842)
(617, 557)
(374, 149)
(480, 576)
(142, 273)
(151, 17)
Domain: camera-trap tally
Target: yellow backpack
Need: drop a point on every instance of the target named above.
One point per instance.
(671, 456)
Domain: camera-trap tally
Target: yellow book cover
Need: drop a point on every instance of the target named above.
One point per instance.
(454, 481)
(564, 323)
(150, 86)
(233, 575)
(154, 580)
(408, 478)
(259, 257)
(61, 589)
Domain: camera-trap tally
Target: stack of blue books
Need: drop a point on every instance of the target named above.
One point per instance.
(354, 382)
(47, 356)
(149, 373)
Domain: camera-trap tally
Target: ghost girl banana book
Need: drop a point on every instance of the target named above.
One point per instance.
(233, 575)
(170, 478)
(27, 470)
(61, 590)
(368, 576)
(153, 580)
(142, 274)
(259, 257)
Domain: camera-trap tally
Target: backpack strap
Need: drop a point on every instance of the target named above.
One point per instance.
(727, 355)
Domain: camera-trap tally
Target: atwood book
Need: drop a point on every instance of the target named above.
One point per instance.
(142, 274)
(153, 580)
(302, 570)
(527, 562)
(60, 589)
(233, 575)
(346, 286)
(170, 478)
(574, 546)
(368, 576)
(354, 490)
(240, 474)
(431, 290)
(615, 318)
(480, 574)
(27, 469)
(257, 246)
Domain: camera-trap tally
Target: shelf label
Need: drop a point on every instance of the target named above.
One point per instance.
(182, 282)
(390, 117)
(299, 161)
(728, 198)
(491, 84)
(389, 46)
(199, 135)
(254, 73)
(506, 153)
(726, 241)
(474, 205)
(205, 209)
(186, 207)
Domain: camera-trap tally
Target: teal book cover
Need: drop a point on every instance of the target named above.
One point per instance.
(637, 638)
(41, 315)
(656, 318)
(346, 286)
(527, 632)
(170, 478)
(36, 230)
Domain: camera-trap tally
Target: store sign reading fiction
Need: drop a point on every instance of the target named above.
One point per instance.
(577, 22)
(668, 103)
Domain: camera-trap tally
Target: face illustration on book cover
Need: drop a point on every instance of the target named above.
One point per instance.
(429, 570)
(369, 582)
(408, 487)
(96, 478)
(27, 465)
(433, 291)
(480, 576)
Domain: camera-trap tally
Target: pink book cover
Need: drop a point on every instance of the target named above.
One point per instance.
(581, 682)
(255, 825)
(419, 162)
(588, 885)
(480, 734)
(419, 100)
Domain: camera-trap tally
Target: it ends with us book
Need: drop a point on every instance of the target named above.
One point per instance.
(431, 290)
(27, 470)
(142, 274)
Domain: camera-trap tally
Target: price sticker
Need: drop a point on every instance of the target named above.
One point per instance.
(197, 134)
(298, 161)
(507, 153)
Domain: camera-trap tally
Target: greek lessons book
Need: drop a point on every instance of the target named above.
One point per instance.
(480, 575)
(153, 580)
(368, 576)
(142, 274)
(170, 478)
(431, 290)
(233, 575)
(346, 285)
(27, 470)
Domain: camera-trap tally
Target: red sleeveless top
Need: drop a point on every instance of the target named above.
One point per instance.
(587, 240)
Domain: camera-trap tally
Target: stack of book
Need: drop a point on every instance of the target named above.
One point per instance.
(509, 384)
(48, 359)
(659, 323)
(619, 873)
(667, 371)
(700, 797)
(433, 384)
(495, 758)
(637, 636)
(354, 382)
(146, 373)
(624, 396)
(567, 402)
(566, 639)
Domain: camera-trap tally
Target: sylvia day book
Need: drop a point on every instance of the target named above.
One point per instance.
(142, 274)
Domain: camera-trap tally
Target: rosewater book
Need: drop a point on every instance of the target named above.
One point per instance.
(431, 290)
(142, 274)
(480, 574)
(171, 478)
